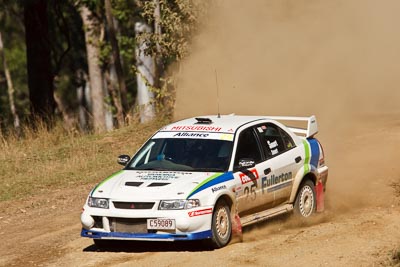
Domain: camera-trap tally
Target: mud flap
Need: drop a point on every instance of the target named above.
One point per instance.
(319, 189)
(237, 227)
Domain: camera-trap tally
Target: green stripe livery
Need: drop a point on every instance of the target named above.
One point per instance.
(105, 180)
(307, 150)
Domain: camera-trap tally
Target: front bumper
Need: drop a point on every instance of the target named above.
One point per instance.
(145, 236)
(192, 224)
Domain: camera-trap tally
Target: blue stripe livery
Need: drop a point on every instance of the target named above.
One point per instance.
(314, 151)
(144, 236)
(220, 179)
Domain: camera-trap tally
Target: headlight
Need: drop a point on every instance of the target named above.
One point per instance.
(178, 204)
(98, 202)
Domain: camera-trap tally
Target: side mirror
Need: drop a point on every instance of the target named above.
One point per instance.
(246, 163)
(123, 159)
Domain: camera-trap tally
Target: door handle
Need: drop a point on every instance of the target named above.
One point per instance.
(267, 171)
(298, 159)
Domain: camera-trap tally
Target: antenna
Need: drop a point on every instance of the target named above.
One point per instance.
(216, 81)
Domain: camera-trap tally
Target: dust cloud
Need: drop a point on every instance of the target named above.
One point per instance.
(336, 59)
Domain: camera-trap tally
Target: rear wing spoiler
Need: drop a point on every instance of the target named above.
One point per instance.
(310, 131)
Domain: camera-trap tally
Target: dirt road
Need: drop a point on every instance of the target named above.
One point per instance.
(361, 226)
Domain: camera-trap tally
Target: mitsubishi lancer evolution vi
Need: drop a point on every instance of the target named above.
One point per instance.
(204, 178)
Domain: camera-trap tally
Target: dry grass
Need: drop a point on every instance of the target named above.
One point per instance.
(392, 258)
(51, 159)
(395, 259)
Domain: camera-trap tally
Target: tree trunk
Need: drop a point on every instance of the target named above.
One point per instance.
(83, 98)
(108, 106)
(145, 77)
(10, 87)
(68, 120)
(157, 31)
(116, 57)
(92, 37)
(111, 81)
(40, 76)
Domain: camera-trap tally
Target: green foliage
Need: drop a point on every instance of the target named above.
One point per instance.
(179, 19)
(105, 52)
(127, 46)
(68, 50)
(68, 55)
(12, 30)
(93, 5)
(126, 12)
(178, 22)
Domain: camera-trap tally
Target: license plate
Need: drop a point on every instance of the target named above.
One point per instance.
(160, 224)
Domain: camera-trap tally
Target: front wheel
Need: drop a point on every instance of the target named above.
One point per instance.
(221, 225)
(305, 204)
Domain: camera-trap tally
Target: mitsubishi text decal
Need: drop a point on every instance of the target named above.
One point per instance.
(196, 128)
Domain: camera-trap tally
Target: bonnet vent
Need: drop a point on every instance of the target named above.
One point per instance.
(133, 183)
(157, 184)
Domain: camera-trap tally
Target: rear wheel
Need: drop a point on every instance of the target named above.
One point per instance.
(305, 204)
(221, 225)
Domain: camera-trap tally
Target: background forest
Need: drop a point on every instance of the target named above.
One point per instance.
(95, 65)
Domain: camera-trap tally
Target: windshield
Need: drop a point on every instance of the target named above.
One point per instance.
(177, 154)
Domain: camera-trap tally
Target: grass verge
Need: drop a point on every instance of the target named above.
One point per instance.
(52, 159)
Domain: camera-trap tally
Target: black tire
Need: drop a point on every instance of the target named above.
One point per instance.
(306, 200)
(221, 225)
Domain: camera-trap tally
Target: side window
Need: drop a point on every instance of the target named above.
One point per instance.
(274, 139)
(247, 147)
(287, 140)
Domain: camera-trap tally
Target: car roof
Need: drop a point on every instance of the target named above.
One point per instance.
(212, 123)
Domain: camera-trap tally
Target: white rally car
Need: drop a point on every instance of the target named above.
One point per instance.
(206, 177)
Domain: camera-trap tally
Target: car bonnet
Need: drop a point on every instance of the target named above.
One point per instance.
(152, 185)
